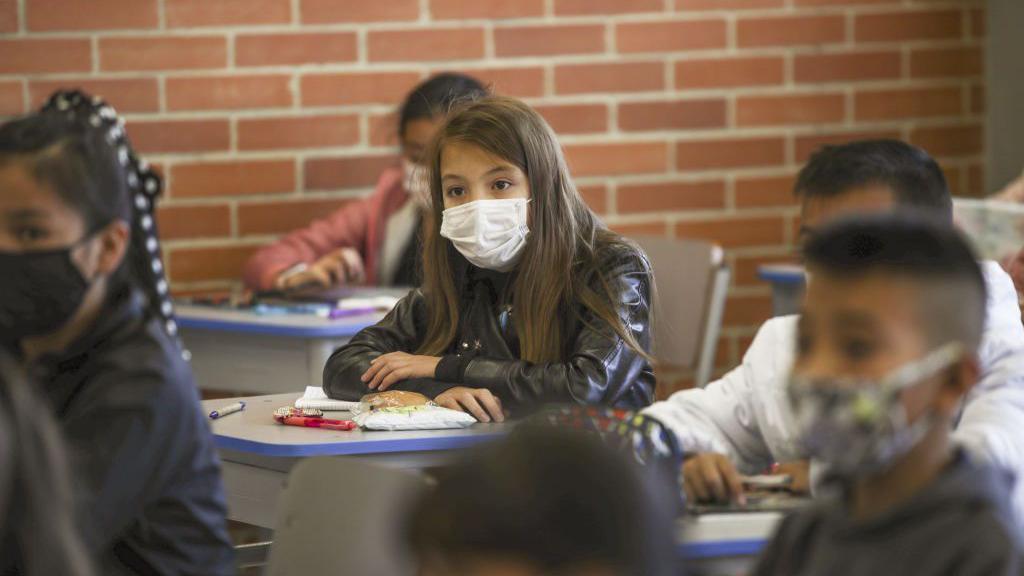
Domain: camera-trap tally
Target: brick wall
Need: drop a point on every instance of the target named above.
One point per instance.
(683, 118)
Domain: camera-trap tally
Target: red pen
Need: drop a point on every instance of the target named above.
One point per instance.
(326, 423)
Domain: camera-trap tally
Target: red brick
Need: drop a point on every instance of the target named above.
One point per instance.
(288, 49)
(670, 36)
(205, 264)
(790, 31)
(730, 72)
(228, 92)
(978, 23)
(764, 191)
(163, 53)
(730, 153)
(747, 310)
(618, 77)
(685, 5)
(736, 232)
(745, 271)
(191, 222)
(165, 136)
(908, 25)
(357, 88)
(949, 140)
(522, 82)
(50, 15)
(298, 132)
(670, 196)
(633, 229)
(976, 180)
(37, 56)
(844, 67)
(675, 115)
(512, 41)
(384, 129)
(596, 196)
(945, 62)
(606, 7)
(978, 99)
(329, 11)
(790, 109)
(8, 15)
(12, 102)
(806, 145)
(281, 217)
(485, 9)
(575, 118)
(618, 158)
(195, 13)
(348, 172)
(232, 178)
(908, 103)
(124, 94)
(425, 45)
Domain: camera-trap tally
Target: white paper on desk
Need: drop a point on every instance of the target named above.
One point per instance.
(383, 302)
(995, 228)
(314, 397)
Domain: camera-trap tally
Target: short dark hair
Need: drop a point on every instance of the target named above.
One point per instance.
(435, 96)
(915, 178)
(558, 499)
(914, 246)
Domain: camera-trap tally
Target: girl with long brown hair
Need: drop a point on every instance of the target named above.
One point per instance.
(526, 298)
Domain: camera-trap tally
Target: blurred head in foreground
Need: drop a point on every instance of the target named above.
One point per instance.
(544, 502)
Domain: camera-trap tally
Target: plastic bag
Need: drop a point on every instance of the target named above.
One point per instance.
(399, 410)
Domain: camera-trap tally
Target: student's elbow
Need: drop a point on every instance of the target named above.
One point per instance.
(342, 378)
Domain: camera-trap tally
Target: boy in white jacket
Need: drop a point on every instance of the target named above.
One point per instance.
(743, 423)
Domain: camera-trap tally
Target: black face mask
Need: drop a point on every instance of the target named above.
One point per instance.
(39, 291)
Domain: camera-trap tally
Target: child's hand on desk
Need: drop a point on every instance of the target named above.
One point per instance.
(389, 369)
(342, 266)
(480, 402)
(799, 472)
(709, 477)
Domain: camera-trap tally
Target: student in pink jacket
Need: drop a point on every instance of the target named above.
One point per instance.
(373, 241)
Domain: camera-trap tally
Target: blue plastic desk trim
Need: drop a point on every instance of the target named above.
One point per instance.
(353, 448)
(340, 330)
(776, 277)
(722, 549)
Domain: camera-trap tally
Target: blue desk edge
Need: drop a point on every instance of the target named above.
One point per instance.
(353, 448)
(340, 330)
(699, 550)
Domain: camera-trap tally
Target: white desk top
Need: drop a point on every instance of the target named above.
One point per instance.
(254, 431)
(223, 319)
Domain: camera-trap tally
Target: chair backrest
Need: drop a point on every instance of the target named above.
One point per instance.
(692, 279)
(343, 515)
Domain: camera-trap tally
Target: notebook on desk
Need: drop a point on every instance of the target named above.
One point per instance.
(337, 294)
(314, 397)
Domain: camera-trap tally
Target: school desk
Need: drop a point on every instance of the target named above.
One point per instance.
(726, 543)
(244, 352)
(787, 282)
(257, 453)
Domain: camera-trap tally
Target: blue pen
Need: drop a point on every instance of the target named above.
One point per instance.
(229, 409)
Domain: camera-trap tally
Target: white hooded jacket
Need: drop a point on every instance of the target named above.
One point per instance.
(746, 414)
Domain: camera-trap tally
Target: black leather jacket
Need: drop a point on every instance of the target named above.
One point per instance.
(599, 367)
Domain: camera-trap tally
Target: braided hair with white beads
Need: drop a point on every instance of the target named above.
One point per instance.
(79, 146)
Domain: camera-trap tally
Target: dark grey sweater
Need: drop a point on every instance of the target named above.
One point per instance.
(960, 525)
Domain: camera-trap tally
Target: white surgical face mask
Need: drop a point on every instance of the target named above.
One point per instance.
(414, 180)
(489, 233)
(859, 428)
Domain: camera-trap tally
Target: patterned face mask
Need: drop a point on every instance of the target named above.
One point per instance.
(859, 427)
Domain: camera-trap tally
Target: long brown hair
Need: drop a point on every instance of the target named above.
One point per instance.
(559, 269)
